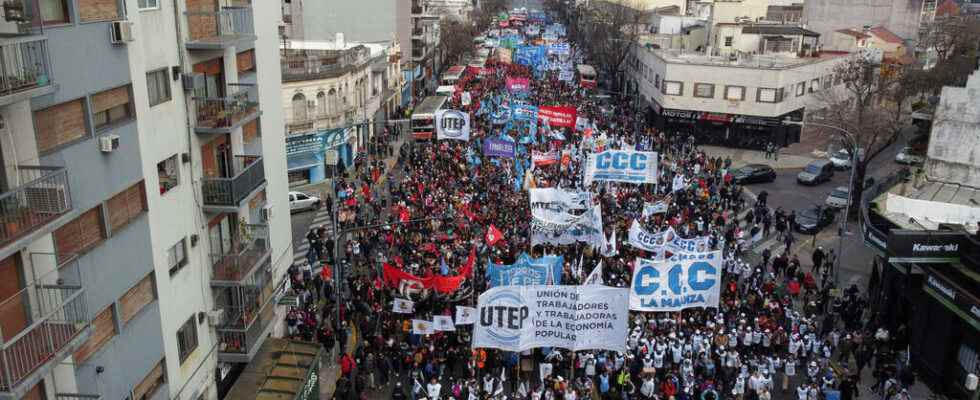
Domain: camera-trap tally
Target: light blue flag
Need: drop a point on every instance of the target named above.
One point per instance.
(443, 266)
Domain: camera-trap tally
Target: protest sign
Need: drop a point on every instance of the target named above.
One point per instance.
(527, 271)
(452, 124)
(541, 159)
(558, 115)
(498, 148)
(649, 209)
(516, 85)
(402, 306)
(680, 282)
(569, 228)
(622, 166)
(465, 98)
(652, 242)
(518, 318)
(525, 112)
(443, 323)
(422, 327)
(465, 315)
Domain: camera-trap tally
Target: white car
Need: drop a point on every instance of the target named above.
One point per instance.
(299, 201)
(837, 197)
(907, 157)
(842, 158)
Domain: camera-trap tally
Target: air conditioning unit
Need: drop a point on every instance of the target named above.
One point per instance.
(108, 143)
(216, 317)
(120, 32)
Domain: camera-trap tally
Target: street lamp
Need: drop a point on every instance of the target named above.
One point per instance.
(852, 141)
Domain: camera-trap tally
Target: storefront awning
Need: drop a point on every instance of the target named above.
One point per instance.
(282, 369)
(302, 161)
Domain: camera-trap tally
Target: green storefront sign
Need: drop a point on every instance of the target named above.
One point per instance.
(311, 388)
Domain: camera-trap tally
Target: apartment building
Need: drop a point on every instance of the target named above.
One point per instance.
(336, 95)
(739, 100)
(139, 252)
(906, 18)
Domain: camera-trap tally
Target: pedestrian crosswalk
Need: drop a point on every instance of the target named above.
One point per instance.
(300, 245)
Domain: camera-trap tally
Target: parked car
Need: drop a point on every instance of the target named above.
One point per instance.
(811, 220)
(299, 201)
(842, 158)
(909, 157)
(815, 172)
(754, 173)
(838, 197)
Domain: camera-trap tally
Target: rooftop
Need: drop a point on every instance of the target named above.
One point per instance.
(931, 204)
(854, 33)
(886, 35)
(775, 29)
(765, 61)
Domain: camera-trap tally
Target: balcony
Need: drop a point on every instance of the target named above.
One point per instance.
(224, 114)
(24, 68)
(216, 30)
(41, 199)
(226, 194)
(249, 313)
(251, 249)
(43, 324)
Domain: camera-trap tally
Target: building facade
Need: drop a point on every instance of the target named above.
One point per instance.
(903, 17)
(139, 251)
(737, 101)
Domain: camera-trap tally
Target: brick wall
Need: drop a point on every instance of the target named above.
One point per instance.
(126, 206)
(153, 381)
(250, 131)
(98, 10)
(103, 329)
(110, 98)
(79, 235)
(137, 297)
(246, 61)
(202, 26)
(59, 124)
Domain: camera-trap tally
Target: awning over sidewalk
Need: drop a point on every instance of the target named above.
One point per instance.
(302, 161)
(282, 370)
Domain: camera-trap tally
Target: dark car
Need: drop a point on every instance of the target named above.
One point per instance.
(812, 220)
(754, 173)
(815, 172)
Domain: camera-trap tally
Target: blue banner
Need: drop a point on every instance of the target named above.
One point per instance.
(527, 271)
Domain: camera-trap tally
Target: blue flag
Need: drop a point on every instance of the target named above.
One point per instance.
(443, 266)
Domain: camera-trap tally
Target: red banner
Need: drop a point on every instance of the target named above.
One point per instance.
(558, 115)
(541, 159)
(393, 276)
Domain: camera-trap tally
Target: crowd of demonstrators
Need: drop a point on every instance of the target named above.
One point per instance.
(779, 332)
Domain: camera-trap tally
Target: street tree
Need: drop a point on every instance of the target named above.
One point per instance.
(487, 10)
(455, 39)
(609, 29)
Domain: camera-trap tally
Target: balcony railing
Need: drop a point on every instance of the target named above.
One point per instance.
(42, 196)
(24, 66)
(241, 342)
(249, 174)
(40, 322)
(222, 114)
(248, 312)
(248, 252)
(209, 30)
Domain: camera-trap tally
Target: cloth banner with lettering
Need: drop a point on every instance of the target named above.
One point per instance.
(443, 323)
(564, 116)
(465, 315)
(452, 125)
(402, 306)
(622, 166)
(518, 85)
(422, 327)
(527, 271)
(524, 112)
(679, 282)
(396, 277)
(493, 147)
(541, 158)
(547, 203)
(519, 318)
(570, 228)
(652, 242)
(649, 209)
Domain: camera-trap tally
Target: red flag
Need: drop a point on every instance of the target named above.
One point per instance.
(351, 201)
(393, 276)
(467, 268)
(493, 235)
(403, 215)
(446, 284)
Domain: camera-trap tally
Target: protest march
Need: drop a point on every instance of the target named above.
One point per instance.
(537, 247)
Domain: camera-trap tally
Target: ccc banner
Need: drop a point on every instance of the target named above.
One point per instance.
(682, 281)
(622, 166)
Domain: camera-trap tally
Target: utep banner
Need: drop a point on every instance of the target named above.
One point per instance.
(527, 271)
(452, 124)
(519, 318)
(622, 166)
(680, 282)
(558, 115)
(498, 148)
(518, 85)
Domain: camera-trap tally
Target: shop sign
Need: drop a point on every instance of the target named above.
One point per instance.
(716, 117)
(680, 114)
(311, 388)
(873, 238)
(961, 299)
(304, 143)
(760, 121)
(924, 246)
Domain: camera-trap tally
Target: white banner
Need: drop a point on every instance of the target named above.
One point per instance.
(682, 281)
(622, 166)
(466, 98)
(465, 315)
(443, 323)
(402, 306)
(518, 318)
(569, 228)
(649, 209)
(553, 204)
(452, 125)
(652, 242)
(422, 327)
(679, 183)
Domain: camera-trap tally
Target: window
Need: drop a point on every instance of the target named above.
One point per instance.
(299, 107)
(656, 81)
(814, 85)
(728, 41)
(154, 380)
(54, 11)
(168, 174)
(136, 298)
(827, 81)
(768, 95)
(673, 88)
(110, 107)
(148, 4)
(59, 125)
(735, 93)
(98, 10)
(177, 257)
(103, 330)
(187, 338)
(321, 103)
(126, 206)
(79, 235)
(800, 89)
(158, 86)
(705, 90)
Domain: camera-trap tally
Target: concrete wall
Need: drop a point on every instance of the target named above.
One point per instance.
(359, 21)
(954, 146)
(899, 16)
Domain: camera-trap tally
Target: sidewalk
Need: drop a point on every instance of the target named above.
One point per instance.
(330, 375)
(741, 157)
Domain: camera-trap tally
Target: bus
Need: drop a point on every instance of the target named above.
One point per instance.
(452, 75)
(424, 117)
(586, 75)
